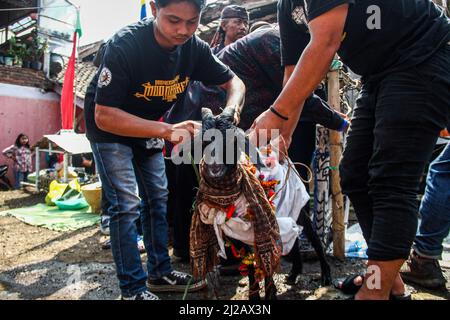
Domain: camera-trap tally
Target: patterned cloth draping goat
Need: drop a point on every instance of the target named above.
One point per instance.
(220, 194)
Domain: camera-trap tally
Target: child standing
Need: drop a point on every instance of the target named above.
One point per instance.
(20, 153)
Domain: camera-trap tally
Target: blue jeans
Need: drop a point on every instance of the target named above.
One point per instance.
(120, 188)
(19, 177)
(435, 209)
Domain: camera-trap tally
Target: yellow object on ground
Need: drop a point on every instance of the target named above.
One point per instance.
(93, 195)
(58, 190)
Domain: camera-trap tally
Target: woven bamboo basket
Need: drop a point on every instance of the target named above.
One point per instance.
(93, 195)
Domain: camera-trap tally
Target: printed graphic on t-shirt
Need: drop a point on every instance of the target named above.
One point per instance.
(154, 143)
(166, 90)
(299, 16)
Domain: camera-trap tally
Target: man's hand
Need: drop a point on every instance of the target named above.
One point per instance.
(266, 121)
(182, 131)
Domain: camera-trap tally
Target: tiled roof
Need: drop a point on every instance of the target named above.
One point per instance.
(84, 72)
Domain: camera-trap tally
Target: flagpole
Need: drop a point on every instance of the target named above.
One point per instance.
(77, 42)
(75, 85)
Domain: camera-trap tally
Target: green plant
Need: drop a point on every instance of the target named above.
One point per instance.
(37, 47)
(11, 51)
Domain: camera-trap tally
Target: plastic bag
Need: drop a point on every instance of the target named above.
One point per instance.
(62, 191)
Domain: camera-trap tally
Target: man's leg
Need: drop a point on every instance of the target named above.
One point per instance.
(423, 266)
(104, 220)
(435, 209)
(354, 165)
(154, 221)
(119, 182)
(161, 277)
(411, 109)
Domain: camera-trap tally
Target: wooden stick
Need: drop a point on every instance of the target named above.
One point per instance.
(335, 157)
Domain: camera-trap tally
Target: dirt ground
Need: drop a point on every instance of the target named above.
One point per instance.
(36, 263)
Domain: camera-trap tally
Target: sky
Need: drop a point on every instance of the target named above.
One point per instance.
(100, 19)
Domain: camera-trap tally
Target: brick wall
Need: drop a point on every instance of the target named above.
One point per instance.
(22, 76)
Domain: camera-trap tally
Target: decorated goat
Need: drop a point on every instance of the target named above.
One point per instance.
(246, 201)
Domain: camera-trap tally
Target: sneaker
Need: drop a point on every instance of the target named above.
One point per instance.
(176, 282)
(104, 225)
(422, 271)
(145, 295)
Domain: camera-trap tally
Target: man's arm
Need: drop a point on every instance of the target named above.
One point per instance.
(326, 35)
(235, 95)
(122, 123)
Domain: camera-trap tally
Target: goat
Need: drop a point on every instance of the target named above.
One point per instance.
(216, 171)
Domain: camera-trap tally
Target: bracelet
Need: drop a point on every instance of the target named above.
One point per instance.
(278, 114)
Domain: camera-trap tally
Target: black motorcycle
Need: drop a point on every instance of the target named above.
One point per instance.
(5, 184)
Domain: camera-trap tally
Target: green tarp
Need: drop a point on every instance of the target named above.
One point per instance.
(51, 218)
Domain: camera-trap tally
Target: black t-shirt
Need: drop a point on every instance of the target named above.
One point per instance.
(294, 31)
(380, 36)
(143, 79)
(256, 60)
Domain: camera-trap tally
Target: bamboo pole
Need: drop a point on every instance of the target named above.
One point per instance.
(335, 157)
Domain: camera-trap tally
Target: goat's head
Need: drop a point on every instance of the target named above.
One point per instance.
(223, 144)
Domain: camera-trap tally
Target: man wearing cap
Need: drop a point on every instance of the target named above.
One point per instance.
(234, 22)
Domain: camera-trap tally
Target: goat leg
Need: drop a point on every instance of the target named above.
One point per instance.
(317, 245)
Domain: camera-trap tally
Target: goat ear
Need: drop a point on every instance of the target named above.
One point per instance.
(207, 114)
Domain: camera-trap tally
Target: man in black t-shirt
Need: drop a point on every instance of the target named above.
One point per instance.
(401, 49)
(145, 69)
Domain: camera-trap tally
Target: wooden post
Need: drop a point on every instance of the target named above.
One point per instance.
(335, 158)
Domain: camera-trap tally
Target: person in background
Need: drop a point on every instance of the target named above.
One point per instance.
(422, 267)
(234, 22)
(20, 153)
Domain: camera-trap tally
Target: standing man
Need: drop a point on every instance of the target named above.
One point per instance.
(401, 49)
(234, 21)
(146, 68)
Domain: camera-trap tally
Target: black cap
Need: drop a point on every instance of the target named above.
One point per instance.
(234, 11)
